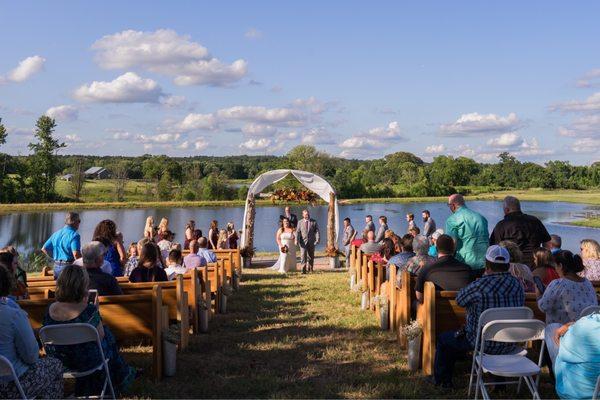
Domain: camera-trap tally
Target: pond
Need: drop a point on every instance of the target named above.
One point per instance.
(28, 231)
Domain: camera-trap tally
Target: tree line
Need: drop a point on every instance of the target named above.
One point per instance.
(32, 178)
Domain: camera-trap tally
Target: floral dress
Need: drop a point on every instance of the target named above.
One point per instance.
(85, 356)
(592, 269)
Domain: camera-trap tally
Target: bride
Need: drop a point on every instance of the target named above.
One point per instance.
(285, 238)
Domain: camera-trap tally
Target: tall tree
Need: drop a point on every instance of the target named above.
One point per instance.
(3, 160)
(77, 178)
(43, 164)
(120, 172)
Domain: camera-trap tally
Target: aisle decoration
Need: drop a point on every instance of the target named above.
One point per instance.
(413, 332)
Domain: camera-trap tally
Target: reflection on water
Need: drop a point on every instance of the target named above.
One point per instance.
(28, 231)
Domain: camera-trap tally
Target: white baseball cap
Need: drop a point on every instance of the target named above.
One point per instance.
(437, 234)
(497, 254)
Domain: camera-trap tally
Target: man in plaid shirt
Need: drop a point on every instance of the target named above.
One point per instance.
(497, 288)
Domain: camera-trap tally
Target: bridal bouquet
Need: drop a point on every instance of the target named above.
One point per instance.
(284, 249)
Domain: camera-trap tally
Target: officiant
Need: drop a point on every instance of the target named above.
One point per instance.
(291, 217)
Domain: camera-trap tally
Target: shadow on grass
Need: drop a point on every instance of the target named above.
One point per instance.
(278, 341)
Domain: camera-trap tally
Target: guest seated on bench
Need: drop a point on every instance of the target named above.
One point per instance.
(39, 377)
(519, 270)
(577, 365)
(133, 253)
(193, 260)
(544, 266)
(93, 258)
(565, 298)
(446, 273)
(370, 247)
(406, 253)
(148, 269)
(204, 252)
(496, 288)
(175, 265)
(72, 306)
(421, 259)
(10, 258)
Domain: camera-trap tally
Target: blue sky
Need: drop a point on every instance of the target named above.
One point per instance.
(355, 79)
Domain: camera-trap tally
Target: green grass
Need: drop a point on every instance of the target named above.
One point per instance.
(294, 336)
(590, 222)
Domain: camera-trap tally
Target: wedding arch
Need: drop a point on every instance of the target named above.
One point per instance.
(311, 181)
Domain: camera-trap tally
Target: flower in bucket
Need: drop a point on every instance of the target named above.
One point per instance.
(381, 300)
(227, 290)
(172, 334)
(247, 252)
(203, 304)
(362, 287)
(411, 330)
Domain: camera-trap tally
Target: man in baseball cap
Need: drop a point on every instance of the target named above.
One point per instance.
(496, 288)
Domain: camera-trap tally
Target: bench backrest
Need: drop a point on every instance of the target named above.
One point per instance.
(132, 318)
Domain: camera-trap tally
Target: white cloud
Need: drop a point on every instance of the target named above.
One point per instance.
(173, 101)
(589, 79)
(262, 115)
(127, 88)
(19, 131)
(586, 145)
(74, 138)
(356, 142)
(159, 138)
(585, 126)
(591, 104)
(25, 70)
(256, 144)
(435, 149)
(119, 134)
(392, 131)
(531, 149)
(200, 144)
(165, 52)
(196, 121)
(253, 129)
(63, 113)
(253, 34)
(475, 124)
(317, 136)
(506, 140)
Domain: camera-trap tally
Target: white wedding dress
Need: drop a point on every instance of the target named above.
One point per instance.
(286, 261)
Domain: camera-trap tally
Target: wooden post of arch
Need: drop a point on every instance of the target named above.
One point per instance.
(249, 223)
(331, 245)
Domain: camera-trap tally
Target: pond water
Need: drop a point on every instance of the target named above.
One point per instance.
(28, 231)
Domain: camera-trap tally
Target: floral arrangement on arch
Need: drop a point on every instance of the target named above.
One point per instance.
(297, 195)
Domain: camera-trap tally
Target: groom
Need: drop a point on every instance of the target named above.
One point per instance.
(307, 237)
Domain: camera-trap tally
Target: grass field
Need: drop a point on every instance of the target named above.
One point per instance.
(294, 336)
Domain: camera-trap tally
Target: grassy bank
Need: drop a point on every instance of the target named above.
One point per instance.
(295, 336)
(589, 222)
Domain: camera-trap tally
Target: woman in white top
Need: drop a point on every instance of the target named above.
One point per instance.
(566, 297)
(285, 238)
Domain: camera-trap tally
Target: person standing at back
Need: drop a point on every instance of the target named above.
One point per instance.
(410, 218)
(383, 226)
(293, 218)
(429, 224)
(349, 234)
(213, 234)
(526, 231)
(469, 229)
(64, 246)
(369, 225)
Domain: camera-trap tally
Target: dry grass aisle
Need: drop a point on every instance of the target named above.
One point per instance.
(295, 336)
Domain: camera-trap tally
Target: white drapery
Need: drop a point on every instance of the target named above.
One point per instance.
(311, 181)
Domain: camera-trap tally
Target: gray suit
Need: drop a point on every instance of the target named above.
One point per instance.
(349, 233)
(429, 227)
(381, 233)
(307, 238)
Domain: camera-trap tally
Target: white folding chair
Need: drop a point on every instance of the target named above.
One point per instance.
(73, 334)
(510, 365)
(7, 371)
(588, 311)
(494, 314)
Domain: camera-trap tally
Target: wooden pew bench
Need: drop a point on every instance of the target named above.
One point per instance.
(134, 319)
(439, 313)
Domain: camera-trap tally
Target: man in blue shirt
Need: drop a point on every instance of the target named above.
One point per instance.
(205, 253)
(64, 246)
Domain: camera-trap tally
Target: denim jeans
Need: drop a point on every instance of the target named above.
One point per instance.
(58, 267)
(449, 349)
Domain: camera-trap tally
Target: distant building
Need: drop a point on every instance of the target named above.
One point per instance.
(97, 173)
(67, 177)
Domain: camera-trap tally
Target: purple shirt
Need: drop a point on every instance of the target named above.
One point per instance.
(194, 261)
